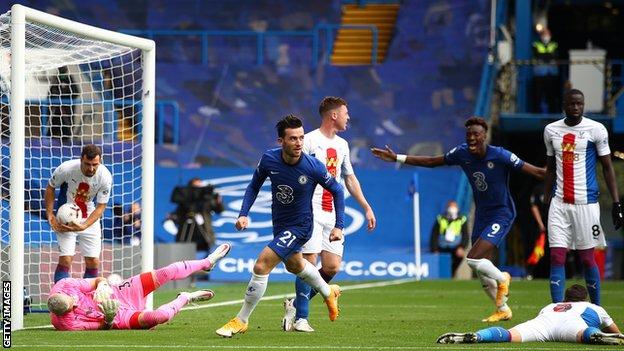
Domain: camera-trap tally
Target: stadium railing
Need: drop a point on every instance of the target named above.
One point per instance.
(314, 34)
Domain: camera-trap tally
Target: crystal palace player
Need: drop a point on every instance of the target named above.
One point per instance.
(86, 179)
(573, 145)
(487, 168)
(294, 176)
(573, 320)
(91, 304)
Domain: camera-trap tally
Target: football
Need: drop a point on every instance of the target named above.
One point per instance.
(68, 213)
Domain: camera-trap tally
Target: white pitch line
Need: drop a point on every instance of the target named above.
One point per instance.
(273, 297)
(289, 347)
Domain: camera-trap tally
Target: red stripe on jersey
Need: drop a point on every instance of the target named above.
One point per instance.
(147, 282)
(331, 159)
(567, 162)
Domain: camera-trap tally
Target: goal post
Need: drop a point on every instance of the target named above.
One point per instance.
(109, 82)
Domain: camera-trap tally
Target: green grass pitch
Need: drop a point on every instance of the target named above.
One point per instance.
(405, 316)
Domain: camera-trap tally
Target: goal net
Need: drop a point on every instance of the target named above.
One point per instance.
(74, 87)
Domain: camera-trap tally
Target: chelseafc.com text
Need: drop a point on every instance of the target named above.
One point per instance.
(396, 269)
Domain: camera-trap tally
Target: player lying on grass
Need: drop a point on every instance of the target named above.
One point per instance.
(91, 304)
(573, 320)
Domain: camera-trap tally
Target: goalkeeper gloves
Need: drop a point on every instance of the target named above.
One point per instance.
(102, 292)
(616, 214)
(109, 308)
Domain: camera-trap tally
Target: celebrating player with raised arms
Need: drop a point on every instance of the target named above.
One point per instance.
(91, 304)
(86, 180)
(487, 168)
(294, 176)
(573, 145)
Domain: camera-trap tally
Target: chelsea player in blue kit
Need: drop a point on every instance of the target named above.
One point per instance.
(294, 176)
(487, 168)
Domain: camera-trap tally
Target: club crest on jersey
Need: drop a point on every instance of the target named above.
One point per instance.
(490, 165)
(568, 147)
(303, 179)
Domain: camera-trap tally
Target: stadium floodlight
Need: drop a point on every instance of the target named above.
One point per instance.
(64, 84)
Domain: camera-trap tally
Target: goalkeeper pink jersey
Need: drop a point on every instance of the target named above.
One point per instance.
(576, 150)
(85, 315)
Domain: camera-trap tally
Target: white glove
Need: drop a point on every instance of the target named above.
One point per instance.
(109, 308)
(102, 292)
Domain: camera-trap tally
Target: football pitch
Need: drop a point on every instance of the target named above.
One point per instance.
(404, 315)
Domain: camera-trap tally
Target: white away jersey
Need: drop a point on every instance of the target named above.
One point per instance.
(81, 189)
(576, 150)
(334, 154)
(563, 313)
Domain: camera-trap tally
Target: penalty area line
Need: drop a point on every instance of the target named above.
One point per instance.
(274, 297)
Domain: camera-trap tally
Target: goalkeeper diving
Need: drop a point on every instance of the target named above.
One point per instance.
(92, 304)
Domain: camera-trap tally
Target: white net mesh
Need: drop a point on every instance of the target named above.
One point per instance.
(78, 91)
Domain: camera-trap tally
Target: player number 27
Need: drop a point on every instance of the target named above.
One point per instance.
(287, 238)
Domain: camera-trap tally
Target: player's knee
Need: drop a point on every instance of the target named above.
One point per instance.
(295, 267)
(261, 268)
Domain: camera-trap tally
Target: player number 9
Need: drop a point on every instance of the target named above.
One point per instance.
(495, 228)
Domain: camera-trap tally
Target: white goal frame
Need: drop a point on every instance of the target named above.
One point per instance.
(19, 16)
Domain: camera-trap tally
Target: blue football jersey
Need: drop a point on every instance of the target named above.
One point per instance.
(488, 177)
(292, 187)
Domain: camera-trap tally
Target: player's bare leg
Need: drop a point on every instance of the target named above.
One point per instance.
(63, 268)
(478, 260)
(91, 267)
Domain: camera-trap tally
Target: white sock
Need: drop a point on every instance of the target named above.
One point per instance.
(312, 277)
(489, 286)
(255, 290)
(486, 267)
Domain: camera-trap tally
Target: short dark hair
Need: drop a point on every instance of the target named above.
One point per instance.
(476, 121)
(329, 103)
(571, 92)
(90, 151)
(288, 122)
(575, 293)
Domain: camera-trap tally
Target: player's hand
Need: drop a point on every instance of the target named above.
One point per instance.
(617, 215)
(335, 235)
(76, 227)
(109, 308)
(56, 225)
(370, 220)
(242, 223)
(103, 292)
(386, 155)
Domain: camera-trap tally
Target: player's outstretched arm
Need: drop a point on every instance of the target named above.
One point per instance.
(609, 176)
(423, 161)
(533, 171)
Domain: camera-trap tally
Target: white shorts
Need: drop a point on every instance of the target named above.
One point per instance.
(542, 329)
(576, 227)
(319, 241)
(90, 241)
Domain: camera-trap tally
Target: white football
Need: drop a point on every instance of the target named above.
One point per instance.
(68, 213)
(114, 279)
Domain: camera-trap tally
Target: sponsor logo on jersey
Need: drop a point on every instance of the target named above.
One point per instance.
(331, 162)
(562, 307)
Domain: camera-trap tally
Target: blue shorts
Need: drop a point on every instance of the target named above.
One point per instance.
(289, 240)
(491, 229)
